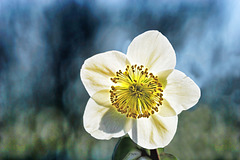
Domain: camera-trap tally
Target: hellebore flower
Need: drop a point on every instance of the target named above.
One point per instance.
(139, 94)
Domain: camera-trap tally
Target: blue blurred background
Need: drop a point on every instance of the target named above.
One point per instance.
(43, 44)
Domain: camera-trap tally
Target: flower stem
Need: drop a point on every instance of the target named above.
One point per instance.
(154, 154)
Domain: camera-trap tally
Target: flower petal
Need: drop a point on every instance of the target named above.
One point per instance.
(166, 110)
(162, 76)
(153, 50)
(104, 122)
(102, 97)
(153, 132)
(181, 92)
(97, 70)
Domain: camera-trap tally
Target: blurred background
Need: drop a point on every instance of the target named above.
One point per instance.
(43, 44)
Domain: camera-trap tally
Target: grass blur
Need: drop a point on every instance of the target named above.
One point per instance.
(201, 133)
(204, 134)
(47, 133)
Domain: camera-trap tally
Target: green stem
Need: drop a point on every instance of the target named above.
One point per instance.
(154, 154)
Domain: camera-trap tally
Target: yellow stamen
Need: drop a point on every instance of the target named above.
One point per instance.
(136, 93)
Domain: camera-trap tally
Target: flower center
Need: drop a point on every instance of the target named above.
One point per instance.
(137, 93)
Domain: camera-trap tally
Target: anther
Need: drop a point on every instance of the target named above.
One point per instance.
(136, 93)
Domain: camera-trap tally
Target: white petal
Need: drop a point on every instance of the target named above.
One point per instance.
(97, 70)
(162, 76)
(104, 122)
(153, 50)
(166, 110)
(153, 132)
(102, 97)
(181, 92)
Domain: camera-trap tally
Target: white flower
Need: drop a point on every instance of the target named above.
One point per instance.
(139, 94)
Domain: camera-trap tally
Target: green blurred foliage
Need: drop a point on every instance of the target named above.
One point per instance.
(201, 133)
(167, 156)
(33, 133)
(126, 149)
